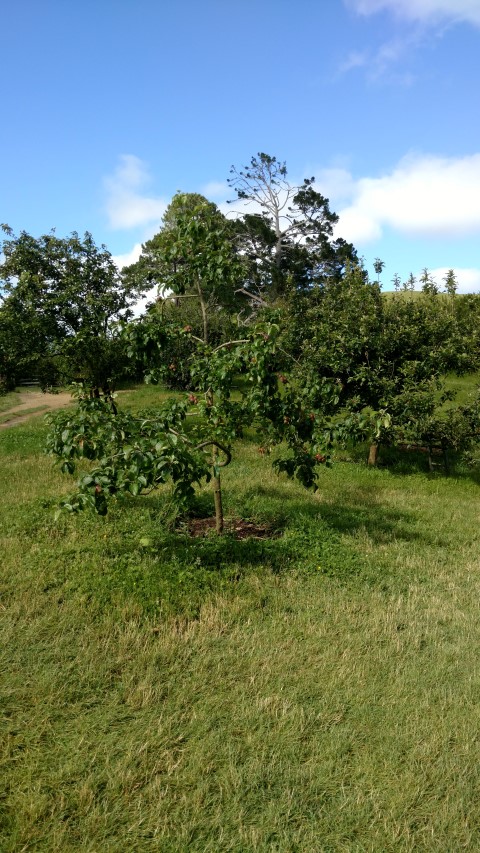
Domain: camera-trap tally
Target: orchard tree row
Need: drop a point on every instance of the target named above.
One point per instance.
(264, 319)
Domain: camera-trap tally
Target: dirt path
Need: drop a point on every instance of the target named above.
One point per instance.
(42, 403)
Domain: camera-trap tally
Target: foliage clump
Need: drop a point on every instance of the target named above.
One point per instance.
(62, 300)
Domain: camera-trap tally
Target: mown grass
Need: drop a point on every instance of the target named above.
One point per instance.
(464, 387)
(317, 691)
(10, 416)
(8, 400)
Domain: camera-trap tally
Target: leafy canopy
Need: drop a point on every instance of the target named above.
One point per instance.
(62, 297)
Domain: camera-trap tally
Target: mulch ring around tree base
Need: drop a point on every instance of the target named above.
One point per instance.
(236, 527)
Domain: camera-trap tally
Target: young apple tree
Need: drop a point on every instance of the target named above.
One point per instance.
(194, 257)
(191, 439)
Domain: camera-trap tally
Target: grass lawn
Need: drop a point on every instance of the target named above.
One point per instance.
(5, 417)
(464, 387)
(7, 401)
(315, 692)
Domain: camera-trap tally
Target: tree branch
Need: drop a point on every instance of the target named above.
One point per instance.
(252, 296)
(213, 443)
(230, 344)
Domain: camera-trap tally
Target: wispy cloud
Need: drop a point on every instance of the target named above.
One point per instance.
(423, 196)
(355, 59)
(422, 11)
(376, 61)
(126, 205)
(413, 22)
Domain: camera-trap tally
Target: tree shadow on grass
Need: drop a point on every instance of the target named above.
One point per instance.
(409, 462)
(176, 572)
(170, 572)
(362, 510)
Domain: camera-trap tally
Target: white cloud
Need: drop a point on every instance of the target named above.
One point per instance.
(424, 196)
(357, 227)
(126, 206)
(124, 261)
(468, 278)
(423, 11)
(129, 257)
(140, 306)
(335, 183)
(216, 189)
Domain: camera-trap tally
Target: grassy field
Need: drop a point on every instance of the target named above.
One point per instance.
(9, 416)
(318, 691)
(7, 401)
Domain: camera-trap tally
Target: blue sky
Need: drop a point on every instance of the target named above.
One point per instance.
(111, 106)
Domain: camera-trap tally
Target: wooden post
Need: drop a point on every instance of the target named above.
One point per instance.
(217, 493)
(446, 460)
(430, 460)
(373, 454)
